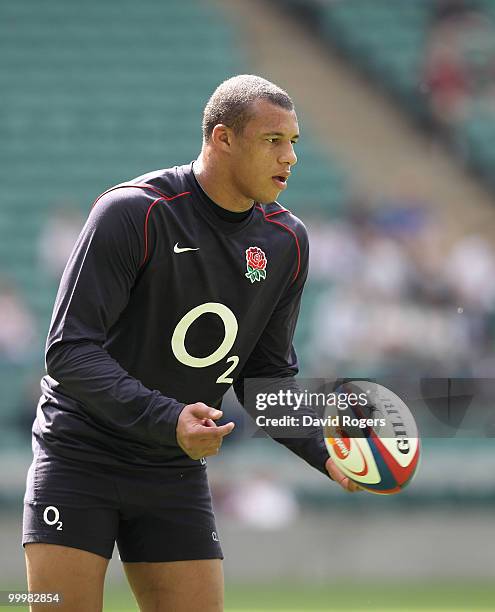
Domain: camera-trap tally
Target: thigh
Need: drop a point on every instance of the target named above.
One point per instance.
(181, 586)
(77, 575)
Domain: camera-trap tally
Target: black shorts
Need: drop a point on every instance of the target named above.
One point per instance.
(154, 514)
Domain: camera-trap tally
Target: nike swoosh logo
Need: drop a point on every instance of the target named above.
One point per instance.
(178, 249)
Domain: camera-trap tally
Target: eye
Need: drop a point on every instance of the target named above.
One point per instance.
(272, 140)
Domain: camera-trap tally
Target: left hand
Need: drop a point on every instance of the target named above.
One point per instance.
(346, 483)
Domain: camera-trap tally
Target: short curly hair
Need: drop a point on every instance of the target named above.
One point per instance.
(230, 102)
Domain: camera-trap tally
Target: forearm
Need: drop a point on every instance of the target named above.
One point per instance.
(312, 450)
(294, 426)
(87, 373)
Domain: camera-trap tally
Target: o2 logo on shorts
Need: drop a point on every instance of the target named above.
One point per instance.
(51, 516)
(231, 327)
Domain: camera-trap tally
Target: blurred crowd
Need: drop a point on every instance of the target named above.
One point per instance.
(459, 64)
(389, 297)
(18, 328)
(25, 306)
(20, 335)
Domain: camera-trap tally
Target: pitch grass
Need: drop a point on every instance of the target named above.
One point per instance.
(406, 597)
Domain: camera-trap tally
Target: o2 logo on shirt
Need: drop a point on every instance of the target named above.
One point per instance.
(231, 328)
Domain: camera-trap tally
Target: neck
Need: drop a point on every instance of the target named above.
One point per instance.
(215, 180)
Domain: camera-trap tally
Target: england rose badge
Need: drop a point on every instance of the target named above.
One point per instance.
(255, 263)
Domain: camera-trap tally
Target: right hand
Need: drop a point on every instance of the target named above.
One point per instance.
(197, 433)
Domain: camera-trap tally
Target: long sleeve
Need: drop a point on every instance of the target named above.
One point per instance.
(274, 357)
(94, 291)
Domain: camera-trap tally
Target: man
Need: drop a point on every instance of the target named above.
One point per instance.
(183, 282)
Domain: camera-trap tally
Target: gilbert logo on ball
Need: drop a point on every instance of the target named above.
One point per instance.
(376, 445)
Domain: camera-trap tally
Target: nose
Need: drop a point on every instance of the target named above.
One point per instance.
(288, 156)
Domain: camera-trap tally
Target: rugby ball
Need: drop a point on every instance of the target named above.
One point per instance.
(373, 439)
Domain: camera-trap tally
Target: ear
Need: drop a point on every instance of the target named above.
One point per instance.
(221, 137)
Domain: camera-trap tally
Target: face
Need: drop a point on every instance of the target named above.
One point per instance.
(262, 155)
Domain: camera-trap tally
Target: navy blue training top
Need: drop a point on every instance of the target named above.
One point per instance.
(164, 303)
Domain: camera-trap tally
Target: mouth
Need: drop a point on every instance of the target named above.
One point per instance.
(280, 181)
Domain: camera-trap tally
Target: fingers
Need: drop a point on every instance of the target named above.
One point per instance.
(346, 483)
(349, 485)
(197, 433)
(224, 430)
(207, 447)
(207, 432)
(208, 441)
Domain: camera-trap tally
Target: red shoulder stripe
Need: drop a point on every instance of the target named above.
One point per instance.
(162, 197)
(277, 212)
(288, 229)
(167, 199)
(146, 230)
(141, 186)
